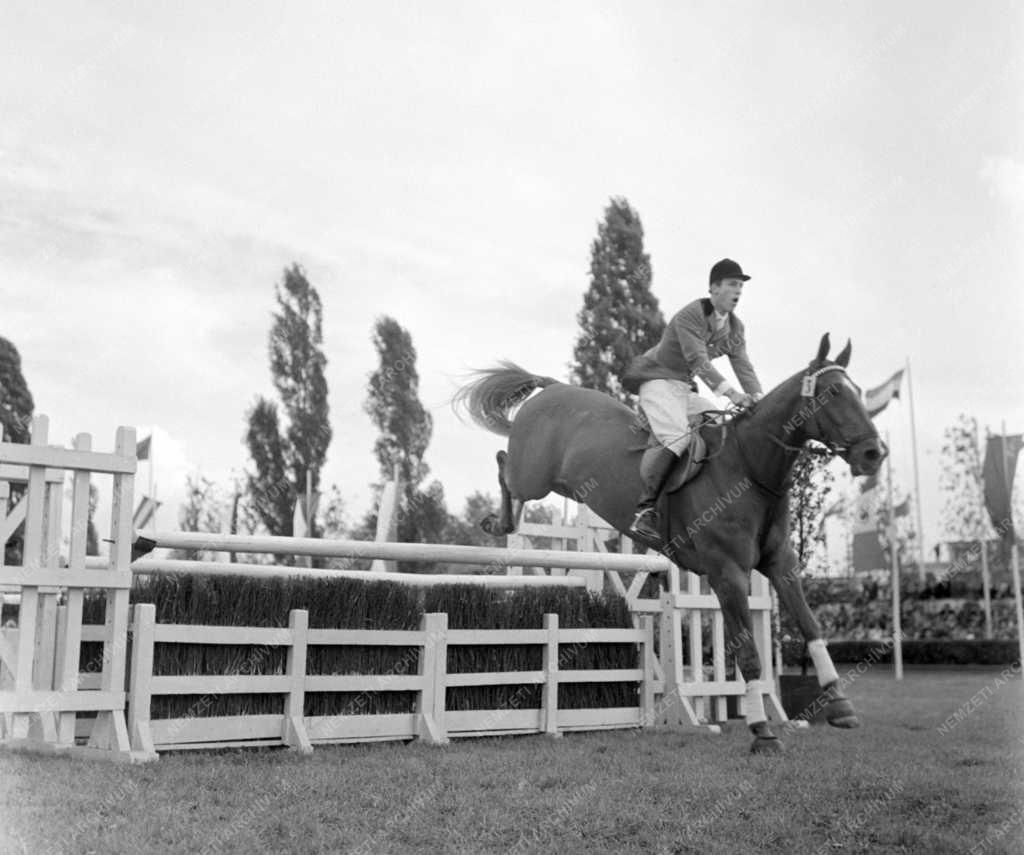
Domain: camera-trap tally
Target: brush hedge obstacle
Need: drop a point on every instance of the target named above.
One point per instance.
(356, 604)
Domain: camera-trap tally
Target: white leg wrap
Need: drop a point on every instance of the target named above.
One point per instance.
(823, 666)
(753, 702)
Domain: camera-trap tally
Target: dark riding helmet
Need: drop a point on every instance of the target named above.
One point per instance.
(726, 269)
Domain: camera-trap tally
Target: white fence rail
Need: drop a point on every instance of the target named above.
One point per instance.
(430, 722)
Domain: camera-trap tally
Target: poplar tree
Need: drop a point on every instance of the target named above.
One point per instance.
(620, 317)
(405, 428)
(285, 450)
(16, 404)
(16, 410)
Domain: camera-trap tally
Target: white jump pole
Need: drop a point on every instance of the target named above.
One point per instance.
(221, 568)
(497, 557)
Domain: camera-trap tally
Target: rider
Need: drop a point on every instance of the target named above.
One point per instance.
(664, 376)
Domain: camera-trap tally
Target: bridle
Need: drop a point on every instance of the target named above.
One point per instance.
(808, 387)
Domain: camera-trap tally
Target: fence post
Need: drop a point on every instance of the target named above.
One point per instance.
(696, 643)
(549, 697)
(69, 645)
(671, 664)
(294, 731)
(140, 686)
(647, 663)
(434, 670)
(110, 732)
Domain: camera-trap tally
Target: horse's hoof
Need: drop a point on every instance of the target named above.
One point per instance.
(766, 745)
(839, 713)
(765, 742)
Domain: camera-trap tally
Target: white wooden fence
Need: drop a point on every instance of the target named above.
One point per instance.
(699, 691)
(40, 695)
(431, 722)
(41, 692)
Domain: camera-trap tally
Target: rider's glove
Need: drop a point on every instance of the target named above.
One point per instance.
(740, 399)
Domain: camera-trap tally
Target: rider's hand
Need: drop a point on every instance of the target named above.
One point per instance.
(740, 399)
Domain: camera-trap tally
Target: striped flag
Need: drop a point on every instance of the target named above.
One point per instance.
(142, 448)
(144, 512)
(902, 509)
(867, 549)
(877, 399)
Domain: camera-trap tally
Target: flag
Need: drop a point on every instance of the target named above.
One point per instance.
(877, 399)
(300, 525)
(902, 509)
(142, 448)
(144, 512)
(867, 549)
(997, 478)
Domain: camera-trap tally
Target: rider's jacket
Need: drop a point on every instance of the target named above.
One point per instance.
(690, 341)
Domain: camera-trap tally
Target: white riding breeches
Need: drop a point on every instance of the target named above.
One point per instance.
(670, 405)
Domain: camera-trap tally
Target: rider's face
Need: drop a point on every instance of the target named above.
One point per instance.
(725, 294)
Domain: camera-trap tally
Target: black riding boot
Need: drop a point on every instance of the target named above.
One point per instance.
(645, 524)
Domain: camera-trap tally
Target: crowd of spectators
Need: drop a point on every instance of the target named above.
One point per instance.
(862, 609)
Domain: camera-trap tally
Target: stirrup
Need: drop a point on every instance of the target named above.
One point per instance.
(639, 515)
(643, 529)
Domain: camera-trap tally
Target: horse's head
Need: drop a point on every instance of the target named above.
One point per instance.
(831, 411)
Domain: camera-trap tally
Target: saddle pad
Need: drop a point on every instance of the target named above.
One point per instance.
(687, 466)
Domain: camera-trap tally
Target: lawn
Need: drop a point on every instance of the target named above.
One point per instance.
(898, 784)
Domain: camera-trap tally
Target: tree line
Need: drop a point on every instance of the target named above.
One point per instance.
(287, 438)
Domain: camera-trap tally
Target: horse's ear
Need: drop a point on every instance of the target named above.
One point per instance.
(844, 355)
(823, 349)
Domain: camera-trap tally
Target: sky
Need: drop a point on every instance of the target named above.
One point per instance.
(160, 166)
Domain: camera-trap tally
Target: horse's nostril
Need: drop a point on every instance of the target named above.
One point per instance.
(871, 454)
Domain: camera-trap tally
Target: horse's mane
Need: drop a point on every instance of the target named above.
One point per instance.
(815, 364)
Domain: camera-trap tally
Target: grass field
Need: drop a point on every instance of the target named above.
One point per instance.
(898, 784)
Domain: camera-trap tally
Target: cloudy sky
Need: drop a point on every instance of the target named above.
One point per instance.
(161, 164)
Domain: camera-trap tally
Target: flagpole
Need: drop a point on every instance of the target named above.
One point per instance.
(1014, 561)
(894, 569)
(986, 579)
(917, 477)
(152, 489)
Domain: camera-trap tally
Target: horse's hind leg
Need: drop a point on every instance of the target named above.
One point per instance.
(511, 509)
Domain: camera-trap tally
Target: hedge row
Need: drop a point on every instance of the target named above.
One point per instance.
(355, 604)
(916, 652)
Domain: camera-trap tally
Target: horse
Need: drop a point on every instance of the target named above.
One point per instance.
(732, 517)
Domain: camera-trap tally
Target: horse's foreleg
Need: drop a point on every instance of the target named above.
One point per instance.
(731, 587)
(783, 569)
(507, 520)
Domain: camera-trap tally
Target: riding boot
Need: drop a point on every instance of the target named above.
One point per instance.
(646, 525)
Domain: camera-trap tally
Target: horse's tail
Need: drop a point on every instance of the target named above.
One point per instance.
(491, 396)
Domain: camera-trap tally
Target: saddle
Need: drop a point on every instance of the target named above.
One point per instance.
(688, 465)
(686, 468)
